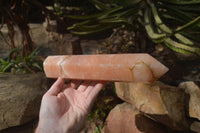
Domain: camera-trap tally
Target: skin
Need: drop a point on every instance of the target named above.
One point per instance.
(64, 108)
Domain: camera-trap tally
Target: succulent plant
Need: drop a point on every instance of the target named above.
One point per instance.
(175, 23)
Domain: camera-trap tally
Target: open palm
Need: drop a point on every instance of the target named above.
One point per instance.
(67, 107)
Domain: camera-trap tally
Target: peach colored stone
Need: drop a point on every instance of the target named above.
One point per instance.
(110, 67)
(163, 103)
(193, 90)
(125, 118)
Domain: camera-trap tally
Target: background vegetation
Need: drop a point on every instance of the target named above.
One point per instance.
(173, 23)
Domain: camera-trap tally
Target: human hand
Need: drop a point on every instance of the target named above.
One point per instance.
(64, 109)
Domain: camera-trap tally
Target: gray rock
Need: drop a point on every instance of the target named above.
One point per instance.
(20, 97)
(195, 126)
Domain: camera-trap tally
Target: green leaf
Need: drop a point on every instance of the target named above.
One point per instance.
(114, 20)
(183, 39)
(154, 36)
(101, 15)
(26, 71)
(3, 61)
(181, 47)
(74, 26)
(158, 21)
(27, 59)
(92, 31)
(189, 25)
(37, 66)
(128, 3)
(12, 52)
(177, 49)
(85, 17)
(7, 67)
(99, 5)
(16, 70)
(182, 2)
(191, 36)
(185, 16)
(35, 52)
(124, 13)
(192, 9)
(89, 27)
(174, 18)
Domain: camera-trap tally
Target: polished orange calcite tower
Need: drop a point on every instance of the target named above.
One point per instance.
(107, 67)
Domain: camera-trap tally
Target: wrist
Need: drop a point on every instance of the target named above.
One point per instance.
(48, 128)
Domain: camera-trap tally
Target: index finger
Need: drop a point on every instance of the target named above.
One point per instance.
(57, 86)
(94, 92)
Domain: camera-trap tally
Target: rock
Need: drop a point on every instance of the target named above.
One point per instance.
(91, 46)
(194, 102)
(161, 102)
(125, 118)
(4, 51)
(159, 47)
(69, 45)
(25, 128)
(20, 97)
(145, 97)
(37, 33)
(195, 126)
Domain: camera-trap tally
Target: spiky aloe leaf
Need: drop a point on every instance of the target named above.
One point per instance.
(128, 3)
(183, 39)
(174, 18)
(114, 20)
(101, 15)
(91, 27)
(92, 30)
(158, 20)
(185, 16)
(178, 47)
(182, 2)
(189, 25)
(193, 37)
(74, 26)
(104, 24)
(126, 12)
(190, 9)
(117, 22)
(85, 17)
(99, 5)
(158, 38)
